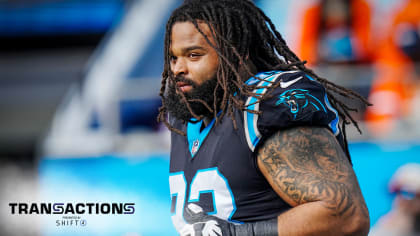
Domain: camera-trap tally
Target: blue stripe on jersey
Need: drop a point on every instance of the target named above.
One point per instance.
(334, 123)
(252, 134)
(251, 130)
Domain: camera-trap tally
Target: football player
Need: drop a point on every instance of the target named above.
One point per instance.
(257, 147)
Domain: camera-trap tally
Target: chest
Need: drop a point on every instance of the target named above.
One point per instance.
(216, 169)
(218, 146)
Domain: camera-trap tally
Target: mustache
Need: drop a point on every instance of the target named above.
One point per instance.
(180, 78)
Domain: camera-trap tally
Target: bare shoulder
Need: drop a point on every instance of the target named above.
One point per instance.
(307, 164)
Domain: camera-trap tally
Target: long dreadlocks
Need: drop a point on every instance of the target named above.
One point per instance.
(243, 36)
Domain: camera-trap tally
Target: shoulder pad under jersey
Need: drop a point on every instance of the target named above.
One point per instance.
(297, 100)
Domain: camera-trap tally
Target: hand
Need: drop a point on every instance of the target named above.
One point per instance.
(202, 224)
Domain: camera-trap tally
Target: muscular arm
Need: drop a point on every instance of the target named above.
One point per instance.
(309, 170)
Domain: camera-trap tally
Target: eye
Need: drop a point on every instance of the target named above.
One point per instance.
(194, 55)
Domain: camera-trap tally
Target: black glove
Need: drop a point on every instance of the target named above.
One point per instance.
(201, 224)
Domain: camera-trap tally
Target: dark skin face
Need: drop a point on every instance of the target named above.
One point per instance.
(191, 56)
(194, 64)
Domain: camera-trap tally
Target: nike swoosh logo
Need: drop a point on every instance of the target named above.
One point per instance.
(288, 83)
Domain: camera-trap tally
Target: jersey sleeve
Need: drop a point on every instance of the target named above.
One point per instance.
(298, 100)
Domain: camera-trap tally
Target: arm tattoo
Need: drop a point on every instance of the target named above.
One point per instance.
(306, 164)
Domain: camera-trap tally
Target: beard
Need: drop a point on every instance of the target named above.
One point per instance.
(177, 107)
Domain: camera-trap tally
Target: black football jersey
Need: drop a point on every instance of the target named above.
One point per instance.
(216, 166)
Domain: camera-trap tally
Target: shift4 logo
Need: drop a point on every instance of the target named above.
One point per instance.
(71, 221)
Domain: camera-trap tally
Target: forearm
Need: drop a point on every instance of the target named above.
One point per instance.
(307, 219)
(315, 219)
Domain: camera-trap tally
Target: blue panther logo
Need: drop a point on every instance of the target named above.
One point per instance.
(299, 100)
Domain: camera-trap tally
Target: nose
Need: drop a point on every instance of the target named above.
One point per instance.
(179, 67)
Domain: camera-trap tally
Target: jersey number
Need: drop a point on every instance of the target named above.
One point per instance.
(205, 181)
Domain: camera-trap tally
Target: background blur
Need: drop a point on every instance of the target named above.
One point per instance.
(79, 84)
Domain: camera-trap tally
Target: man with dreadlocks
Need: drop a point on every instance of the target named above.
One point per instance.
(257, 148)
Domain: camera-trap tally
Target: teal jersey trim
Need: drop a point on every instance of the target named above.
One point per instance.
(196, 137)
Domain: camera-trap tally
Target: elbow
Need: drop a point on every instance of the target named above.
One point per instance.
(357, 225)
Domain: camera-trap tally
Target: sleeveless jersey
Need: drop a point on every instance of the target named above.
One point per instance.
(216, 166)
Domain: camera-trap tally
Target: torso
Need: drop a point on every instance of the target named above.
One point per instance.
(222, 173)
